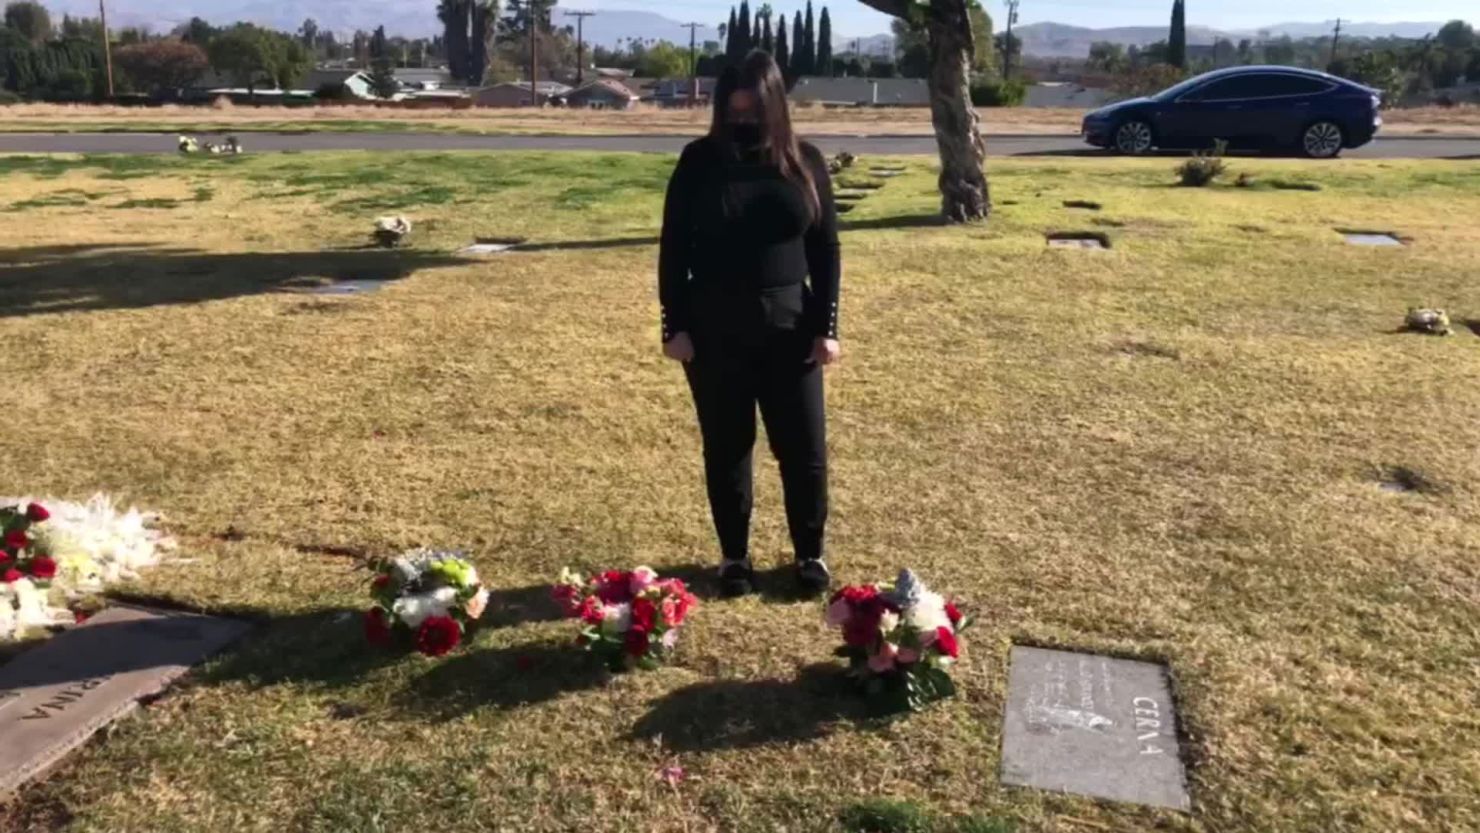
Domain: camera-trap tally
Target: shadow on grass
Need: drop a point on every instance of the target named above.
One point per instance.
(111, 276)
(503, 678)
(902, 221)
(325, 648)
(328, 647)
(584, 245)
(776, 584)
(739, 714)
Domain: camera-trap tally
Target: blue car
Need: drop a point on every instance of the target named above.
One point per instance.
(1251, 108)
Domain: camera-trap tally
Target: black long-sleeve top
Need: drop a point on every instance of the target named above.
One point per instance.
(740, 224)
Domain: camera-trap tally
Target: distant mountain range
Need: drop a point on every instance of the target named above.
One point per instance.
(613, 28)
(1056, 40)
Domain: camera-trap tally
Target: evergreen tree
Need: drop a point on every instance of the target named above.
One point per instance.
(744, 31)
(798, 37)
(783, 54)
(824, 45)
(809, 44)
(766, 37)
(732, 53)
(1177, 41)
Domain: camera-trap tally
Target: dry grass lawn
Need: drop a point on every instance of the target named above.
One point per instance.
(1463, 120)
(1170, 450)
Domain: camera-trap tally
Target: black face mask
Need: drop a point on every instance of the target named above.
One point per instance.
(747, 136)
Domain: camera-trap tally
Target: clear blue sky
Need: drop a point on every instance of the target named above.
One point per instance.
(851, 17)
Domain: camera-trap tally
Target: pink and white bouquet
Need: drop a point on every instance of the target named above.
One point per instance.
(901, 640)
(631, 618)
(425, 597)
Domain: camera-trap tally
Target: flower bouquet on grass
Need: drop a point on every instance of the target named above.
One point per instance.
(900, 640)
(631, 618)
(26, 572)
(425, 597)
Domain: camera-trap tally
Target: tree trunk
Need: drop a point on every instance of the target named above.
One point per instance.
(963, 180)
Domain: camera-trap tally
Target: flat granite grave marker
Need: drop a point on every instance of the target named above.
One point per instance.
(54, 697)
(1092, 725)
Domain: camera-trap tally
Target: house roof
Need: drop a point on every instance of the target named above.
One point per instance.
(542, 87)
(616, 88)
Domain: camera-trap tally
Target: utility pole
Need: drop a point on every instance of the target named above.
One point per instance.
(107, 48)
(693, 65)
(534, 54)
(1012, 16)
(580, 44)
(1335, 39)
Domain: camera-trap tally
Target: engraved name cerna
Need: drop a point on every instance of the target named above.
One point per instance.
(64, 698)
(1148, 724)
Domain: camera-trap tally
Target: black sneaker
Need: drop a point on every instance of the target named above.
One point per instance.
(813, 576)
(736, 578)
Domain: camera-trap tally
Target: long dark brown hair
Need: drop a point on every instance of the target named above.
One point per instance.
(760, 75)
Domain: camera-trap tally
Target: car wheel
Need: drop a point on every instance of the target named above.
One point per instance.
(1322, 140)
(1134, 138)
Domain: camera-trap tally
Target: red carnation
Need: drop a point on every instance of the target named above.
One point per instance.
(568, 597)
(11, 576)
(644, 615)
(380, 581)
(36, 513)
(438, 636)
(16, 540)
(953, 613)
(945, 640)
(5, 557)
(591, 611)
(377, 630)
(615, 587)
(43, 567)
(637, 642)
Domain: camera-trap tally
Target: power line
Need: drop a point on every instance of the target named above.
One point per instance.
(580, 43)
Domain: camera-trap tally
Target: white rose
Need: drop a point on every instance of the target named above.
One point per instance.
(888, 621)
(618, 618)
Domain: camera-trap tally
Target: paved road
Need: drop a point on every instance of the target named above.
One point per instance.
(1415, 148)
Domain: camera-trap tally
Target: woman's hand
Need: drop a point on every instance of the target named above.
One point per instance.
(826, 351)
(680, 348)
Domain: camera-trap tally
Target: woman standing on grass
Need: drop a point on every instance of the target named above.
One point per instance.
(749, 219)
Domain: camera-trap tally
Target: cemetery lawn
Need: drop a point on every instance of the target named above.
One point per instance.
(1170, 451)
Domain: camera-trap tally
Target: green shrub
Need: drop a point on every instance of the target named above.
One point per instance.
(998, 93)
(8, 97)
(1204, 166)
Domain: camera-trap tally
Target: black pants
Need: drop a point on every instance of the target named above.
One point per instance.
(751, 349)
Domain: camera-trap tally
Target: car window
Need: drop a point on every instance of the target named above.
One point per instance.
(1276, 85)
(1239, 86)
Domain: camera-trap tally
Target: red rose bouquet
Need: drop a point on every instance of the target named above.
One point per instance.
(631, 618)
(425, 598)
(900, 639)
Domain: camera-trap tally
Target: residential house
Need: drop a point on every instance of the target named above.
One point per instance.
(517, 94)
(602, 94)
(678, 92)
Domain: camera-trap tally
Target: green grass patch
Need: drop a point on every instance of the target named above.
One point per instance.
(1175, 449)
(148, 203)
